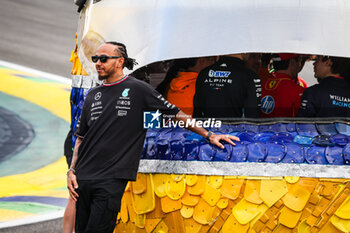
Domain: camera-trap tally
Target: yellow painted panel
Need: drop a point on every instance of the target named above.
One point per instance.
(329, 228)
(145, 202)
(175, 190)
(130, 207)
(190, 200)
(159, 181)
(169, 205)
(231, 188)
(288, 217)
(192, 226)
(191, 179)
(245, 211)
(203, 212)
(140, 220)
(124, 208)
(341, 224)
(222, 203)
(211, 195)
(177, 177)
(252, 191)
(296, 198)
(282, 229)
(140, 185)
(303, 227)
(187, 211)
(215, 181)
(161, 228)
(151, 224)
(198, 187)
(262, 208)
(291, 179)
(272, 190)
(232, 225)
(344, 210)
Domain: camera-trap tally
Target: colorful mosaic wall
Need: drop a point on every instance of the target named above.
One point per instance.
(198, 203)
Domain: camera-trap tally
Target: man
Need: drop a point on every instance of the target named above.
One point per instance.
(281, 94)
(227, 89)
(254, 62)
(110, 139)
(182, 87)
(331, 97)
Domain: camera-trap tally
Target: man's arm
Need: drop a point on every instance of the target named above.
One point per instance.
(213, 138)
(307, 108)
(72, 183)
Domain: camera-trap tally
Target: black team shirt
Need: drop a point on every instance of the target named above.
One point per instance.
(227, 89)
(111, 125)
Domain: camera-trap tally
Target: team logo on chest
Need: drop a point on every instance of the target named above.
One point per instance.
(98, 95)
(272, 84)
(123, 103)
(126, 92)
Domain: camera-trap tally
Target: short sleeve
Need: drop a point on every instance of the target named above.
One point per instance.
(155, 101)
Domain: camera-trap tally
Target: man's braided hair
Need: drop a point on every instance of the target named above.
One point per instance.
(121, 49)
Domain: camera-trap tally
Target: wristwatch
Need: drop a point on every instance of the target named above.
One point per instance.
(209, 135)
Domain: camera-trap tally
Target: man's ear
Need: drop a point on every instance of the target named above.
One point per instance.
(121, 62)
(329, 62)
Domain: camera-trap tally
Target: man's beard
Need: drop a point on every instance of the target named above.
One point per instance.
(100, 77)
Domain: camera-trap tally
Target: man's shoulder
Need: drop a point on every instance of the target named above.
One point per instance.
(93, 91)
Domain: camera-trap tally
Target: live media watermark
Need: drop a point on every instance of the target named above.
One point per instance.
(156, 120)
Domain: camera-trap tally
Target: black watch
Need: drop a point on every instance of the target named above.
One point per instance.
(209, 135)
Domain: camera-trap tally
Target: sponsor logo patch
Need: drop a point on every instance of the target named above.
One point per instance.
(98, 95)
(267, 104)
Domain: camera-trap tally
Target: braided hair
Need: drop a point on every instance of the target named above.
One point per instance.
(121, 49)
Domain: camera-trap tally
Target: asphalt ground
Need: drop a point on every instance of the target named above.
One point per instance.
(53, 226)
(38, 33)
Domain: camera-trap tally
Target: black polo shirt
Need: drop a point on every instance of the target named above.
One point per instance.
(111, 125)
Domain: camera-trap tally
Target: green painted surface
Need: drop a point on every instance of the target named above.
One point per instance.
(47, 145)
(29, 207)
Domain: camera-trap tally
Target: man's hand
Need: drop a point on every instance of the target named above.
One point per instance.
(72, 184)
(216, 138)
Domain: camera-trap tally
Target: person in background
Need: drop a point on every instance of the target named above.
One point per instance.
(301, 81)
(254, 62)
(69, 213)
(182, 87)
(331, 97)
(227, 89)
(281, 94)
(265, 72)
(174, 66)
